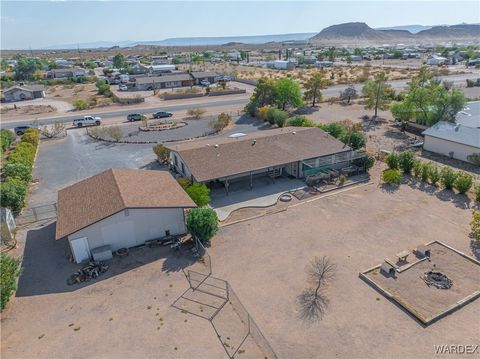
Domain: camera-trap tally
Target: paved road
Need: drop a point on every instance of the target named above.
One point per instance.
(126, 111)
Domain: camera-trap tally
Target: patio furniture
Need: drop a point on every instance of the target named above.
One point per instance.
(347, 171)
(402, 256)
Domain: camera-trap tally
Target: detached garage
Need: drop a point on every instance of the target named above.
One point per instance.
(120, 208)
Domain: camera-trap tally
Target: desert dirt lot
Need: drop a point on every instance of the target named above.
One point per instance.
(264, 260)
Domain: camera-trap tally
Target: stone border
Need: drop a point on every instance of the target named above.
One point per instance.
(150, 129)
(411, 310)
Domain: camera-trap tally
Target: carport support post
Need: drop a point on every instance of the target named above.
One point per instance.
(251, 180)
(226, 185)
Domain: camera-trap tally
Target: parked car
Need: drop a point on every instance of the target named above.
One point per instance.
(20, 130)
(123, 87)
(161, 114)
(135, 117)
(205, 83)
(87, 121)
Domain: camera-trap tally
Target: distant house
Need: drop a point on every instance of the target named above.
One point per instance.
(281, 65)
(211, 77)
(111, 210)
(356, 58)
(324, 64)
(65, 73)
(138, 68)
(158, 69)
(452, 140)
(23, 92)
(436, 61)
(234, 55)
(160, 82)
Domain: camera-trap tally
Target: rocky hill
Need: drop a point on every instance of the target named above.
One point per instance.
(360, 34)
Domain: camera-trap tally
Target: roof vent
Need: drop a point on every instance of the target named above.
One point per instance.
(254, 142)
(457, 127)
(208, 145)
(216, 146)
(294, 132)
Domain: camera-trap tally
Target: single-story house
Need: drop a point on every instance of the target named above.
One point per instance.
(470, 115)
(452, 139)
(436, 60)
(65, 73)
(161, 82)
(281, 65)
(291, 151)
(198, 76)
(23, 92)
(158, 69)
(324, 64)
(120, 208)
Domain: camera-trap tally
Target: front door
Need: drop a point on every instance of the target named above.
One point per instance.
(80, 249)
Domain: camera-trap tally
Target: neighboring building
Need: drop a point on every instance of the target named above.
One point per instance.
(470, 115)
(452, 140)
(356, 58)
(290, 151)
(120, 208)
(234, 55)
(65, 73)
(158, 69)
(211, 77)
(23, 92)
(281, 65)
(324, 64)
(436, 61)
(138, 68)
(160, 82)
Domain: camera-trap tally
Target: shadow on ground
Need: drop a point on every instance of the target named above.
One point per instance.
(45, 266)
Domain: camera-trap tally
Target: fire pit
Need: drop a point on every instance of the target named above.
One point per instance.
(437, 279)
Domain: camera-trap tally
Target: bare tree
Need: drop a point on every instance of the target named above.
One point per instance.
(313, 301)
(53, 131)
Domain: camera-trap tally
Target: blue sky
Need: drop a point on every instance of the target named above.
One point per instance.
(37, 24)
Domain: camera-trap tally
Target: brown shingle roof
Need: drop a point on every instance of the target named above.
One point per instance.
(221, 157)
(114, 190)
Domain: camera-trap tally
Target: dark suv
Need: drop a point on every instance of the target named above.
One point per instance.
(135, 117)
(20, 130)
(161, 114)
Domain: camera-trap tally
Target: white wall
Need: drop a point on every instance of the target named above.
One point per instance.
(17, 95)
(444, 147)
(121, 230)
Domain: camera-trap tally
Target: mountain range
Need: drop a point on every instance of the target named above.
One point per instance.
(347, 34)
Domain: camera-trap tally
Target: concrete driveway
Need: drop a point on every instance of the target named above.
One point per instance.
(264, 193)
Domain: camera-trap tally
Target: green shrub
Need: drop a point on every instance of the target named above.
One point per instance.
(355, 140)
(80, 105)
(277, 117)
(448, 177)
(103, 87)
(184, 182)
(417, 168)
(163, 153)
(221, 122)
(406, 161)
(262, 113)
(18, 170)
(199, 193)
(115, 133)
(425, 172)
(23, 153)
(392, 176)
(477, 192)
(475, 225)
(434, 174)
(31, 136)
(392, 160)
(6, 139)
(202, 223)
(474, 158)
(301, 121)
(366, 162)
(13, 192)
(463, 182)
(9, 271)
(334, 129)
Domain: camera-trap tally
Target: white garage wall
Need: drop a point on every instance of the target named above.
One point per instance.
(121, 230)
(444, 147)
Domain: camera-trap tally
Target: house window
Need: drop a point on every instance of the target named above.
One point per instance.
(167, 233)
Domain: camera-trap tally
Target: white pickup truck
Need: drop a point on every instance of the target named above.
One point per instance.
(87, 121)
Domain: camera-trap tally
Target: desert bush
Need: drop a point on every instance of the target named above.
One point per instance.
(448, 177)
(103, 87)
(477, 192)
(115, 132)
(223, 120)
(341, 180)
(96, 132)
(425, 172)
(300, 121)
(31, 136)
(417, 168)
(262, 113)
(18, 170)
(277, 117)
(6, 139)
(475, 225)
(53, 131)
(9, 271)
(202, 223)
(433, 174)
(163, 153)
(184, 182)
(463, 182)
(196, 113)
(24, 153)
(79, 105)
(355, 140)
(392, 160)
(406, 161)
(334, 129)
(366, 162)
(474, 158)
(199, 193)
(392, 176)
(13, 192)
